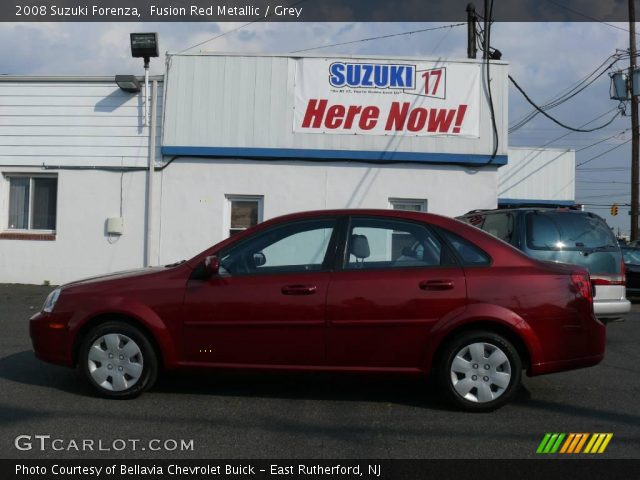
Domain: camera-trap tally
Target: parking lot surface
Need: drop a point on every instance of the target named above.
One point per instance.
(303, 415)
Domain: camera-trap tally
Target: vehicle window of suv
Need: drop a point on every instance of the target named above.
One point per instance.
(567, 231)
(296, 247)
(499, 225)
(468, 252)
(391, 243)
(631, 256)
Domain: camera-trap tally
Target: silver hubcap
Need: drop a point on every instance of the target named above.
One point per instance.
(115, 362)
(480, 372)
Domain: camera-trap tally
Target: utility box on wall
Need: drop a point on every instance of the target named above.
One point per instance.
(115, 226)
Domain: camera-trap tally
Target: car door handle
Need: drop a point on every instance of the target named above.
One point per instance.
(299, 289)
(436, 285)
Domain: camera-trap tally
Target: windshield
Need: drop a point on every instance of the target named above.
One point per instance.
(568, 231)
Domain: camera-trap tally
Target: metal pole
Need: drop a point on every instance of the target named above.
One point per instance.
(485, 45)
(472, 48)
(146, 91)
(151, 175)
(635, 134)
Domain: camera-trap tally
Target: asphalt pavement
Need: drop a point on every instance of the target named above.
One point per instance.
(235, 416)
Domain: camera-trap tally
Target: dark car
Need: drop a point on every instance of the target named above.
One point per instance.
(345, 290)
(631, 257)
(565, 235)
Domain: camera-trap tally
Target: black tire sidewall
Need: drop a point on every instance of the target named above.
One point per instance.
(150, 361)
(448, 355)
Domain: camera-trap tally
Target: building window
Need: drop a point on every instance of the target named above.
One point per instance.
(411, 204)
(32, 203)
(244, 212)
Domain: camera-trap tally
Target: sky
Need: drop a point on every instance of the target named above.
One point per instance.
(546, 59)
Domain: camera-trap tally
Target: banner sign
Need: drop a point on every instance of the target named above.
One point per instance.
(383, 98)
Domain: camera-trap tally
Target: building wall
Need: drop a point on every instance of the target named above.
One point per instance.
(71, 129)
(538, 174)
(246, 102)
(72, 123)
(78, 129)
(201, 186)
(81, 247)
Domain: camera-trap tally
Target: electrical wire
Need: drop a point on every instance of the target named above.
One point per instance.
(602, 140)
(380, 37)
(571, 133)
(487, 56)
(569, 93)
(557, 122)
(239, 28)
(584, 15)
(602, 154)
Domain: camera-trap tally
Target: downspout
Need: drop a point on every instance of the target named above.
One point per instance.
(151, 176)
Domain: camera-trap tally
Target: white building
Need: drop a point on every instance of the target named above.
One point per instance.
(236, 139)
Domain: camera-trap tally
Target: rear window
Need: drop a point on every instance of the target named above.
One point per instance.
(568, 231)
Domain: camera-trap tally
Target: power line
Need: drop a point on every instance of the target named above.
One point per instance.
(568, 93)
(240, 27)
(599, 169)
(581, 126)
(603, 153)
(555, 120)
(587, 16)
(380, 37)
(603, 140)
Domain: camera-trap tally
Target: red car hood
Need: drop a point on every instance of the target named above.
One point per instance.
(138, 272)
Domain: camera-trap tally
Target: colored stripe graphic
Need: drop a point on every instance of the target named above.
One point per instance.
(573, 443)
(550, 443)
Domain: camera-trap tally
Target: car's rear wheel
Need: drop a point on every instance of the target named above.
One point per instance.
(479, 371)
(118, 360)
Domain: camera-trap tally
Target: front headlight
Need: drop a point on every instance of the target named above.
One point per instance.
(51, 300)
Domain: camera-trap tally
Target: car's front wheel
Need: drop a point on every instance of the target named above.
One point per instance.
(118, 360)
(479, 371)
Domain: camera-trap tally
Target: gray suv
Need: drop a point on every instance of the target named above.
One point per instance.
(565, 236)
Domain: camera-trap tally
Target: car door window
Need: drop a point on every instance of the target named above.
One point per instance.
(469, 254)
(390, 243)
(296, 247)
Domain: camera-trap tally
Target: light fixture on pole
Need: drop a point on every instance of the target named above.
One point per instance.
(145, 45)
(128, 83)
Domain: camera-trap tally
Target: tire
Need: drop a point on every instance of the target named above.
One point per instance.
(118, 360)
(479, 371)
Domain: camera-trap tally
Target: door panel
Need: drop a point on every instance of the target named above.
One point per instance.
(253, 320)
(398, 281)
(266, 306)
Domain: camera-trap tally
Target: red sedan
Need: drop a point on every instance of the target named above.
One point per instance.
(344, 290)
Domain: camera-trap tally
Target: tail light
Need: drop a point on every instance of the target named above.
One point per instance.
(582, 282)
(619, 279)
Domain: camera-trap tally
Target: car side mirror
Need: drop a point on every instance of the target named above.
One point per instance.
(259, 259)
(211, 265)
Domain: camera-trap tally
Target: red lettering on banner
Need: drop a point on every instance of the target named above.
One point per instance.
(417, 119)
(334, 116)
(462, 109)
(369, 118)
(397, 116)
(440, 120)
(400, 117)
(351, 115)
(315, 113)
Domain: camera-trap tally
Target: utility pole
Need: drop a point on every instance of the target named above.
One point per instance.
(472, 48)
(635, 134)
(485, 45)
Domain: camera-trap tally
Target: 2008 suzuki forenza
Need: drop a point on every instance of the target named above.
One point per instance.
(343, 290)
